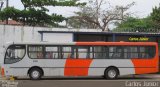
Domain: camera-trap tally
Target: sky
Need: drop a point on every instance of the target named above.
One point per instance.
(141, 9)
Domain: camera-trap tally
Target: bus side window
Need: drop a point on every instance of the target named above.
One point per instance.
(81, 52)
(98, 52)
(133, 52)
(49, 55)
(52, 52)
(116, 52)
(85, 52)
(66, 52)
(151, 51)
(39, 55)
(147, 52)
(35, 51)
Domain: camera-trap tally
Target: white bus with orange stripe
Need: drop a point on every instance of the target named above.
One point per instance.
(108, 59)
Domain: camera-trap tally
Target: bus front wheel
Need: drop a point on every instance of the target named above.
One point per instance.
(111, 73)
(35, 74)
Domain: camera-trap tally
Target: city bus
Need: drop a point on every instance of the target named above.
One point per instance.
(80, 59)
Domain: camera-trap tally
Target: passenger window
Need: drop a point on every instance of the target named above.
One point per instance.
(35, 52)
(139, 52)
(151, 51)
(147, 52)
(51, 52)
(116, 52)
(133, 52)
(66, 52)
(100, 52)
(81, 52)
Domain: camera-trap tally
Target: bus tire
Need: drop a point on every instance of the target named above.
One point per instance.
(35, 74)
(111, 73)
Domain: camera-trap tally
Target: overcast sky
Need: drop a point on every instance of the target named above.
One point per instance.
(142, 8)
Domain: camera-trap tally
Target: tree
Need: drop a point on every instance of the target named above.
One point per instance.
(132, 24)
(155, 15)
(94, 16)
(148, 24)
(35, 13)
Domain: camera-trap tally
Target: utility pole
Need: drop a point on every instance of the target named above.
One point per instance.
(123, 9)
(7, 5)
(1, 5)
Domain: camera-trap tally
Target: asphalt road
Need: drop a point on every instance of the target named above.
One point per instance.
(129, 81)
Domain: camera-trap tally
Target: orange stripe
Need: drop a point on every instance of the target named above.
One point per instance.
(77, 67)
(117, 43)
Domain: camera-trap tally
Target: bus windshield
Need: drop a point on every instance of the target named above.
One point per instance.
(14, 54)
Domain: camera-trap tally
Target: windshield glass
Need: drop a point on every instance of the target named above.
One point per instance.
(14, 54)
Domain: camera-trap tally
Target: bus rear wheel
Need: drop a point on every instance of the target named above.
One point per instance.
(111, 73)
(35, 74)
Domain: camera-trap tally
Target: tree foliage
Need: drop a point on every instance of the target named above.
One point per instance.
(41, 3)
(35, 13)
(155, 15)
(132, 24)
(148, 24)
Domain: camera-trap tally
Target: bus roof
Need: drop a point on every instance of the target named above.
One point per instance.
(86, 43)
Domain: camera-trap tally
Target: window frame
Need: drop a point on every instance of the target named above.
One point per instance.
(76, 53)
(91, 51)
(35, 51)
(123, 46)
(44, 50)
(58, 52)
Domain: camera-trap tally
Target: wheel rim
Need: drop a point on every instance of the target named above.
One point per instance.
(112, 73)
(35, 74)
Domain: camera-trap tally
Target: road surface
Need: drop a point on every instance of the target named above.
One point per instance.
(129, 81)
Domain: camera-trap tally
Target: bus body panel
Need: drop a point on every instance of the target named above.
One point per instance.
(98, 66)
(77, 67)
(51, 67)
(145, 65)
(55, 68)
(85, 67)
